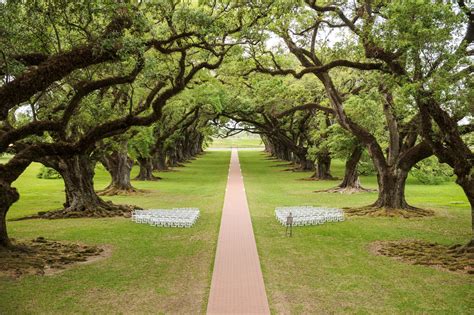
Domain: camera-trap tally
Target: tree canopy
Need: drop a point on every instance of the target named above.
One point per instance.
(150, 82)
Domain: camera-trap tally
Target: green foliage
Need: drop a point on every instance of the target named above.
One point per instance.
(431, 172)
(47, 173)
(140, 145)
(366, 166)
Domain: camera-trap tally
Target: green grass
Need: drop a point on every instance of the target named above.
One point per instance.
(237, 143)
(322, 269)
(328, 268)
(151, 270)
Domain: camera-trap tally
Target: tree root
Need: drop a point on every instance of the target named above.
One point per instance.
(464, 249)
(345, 190)
(103, 210)
(43, 257)
(419, 252)
(114, 191)
(372, 211)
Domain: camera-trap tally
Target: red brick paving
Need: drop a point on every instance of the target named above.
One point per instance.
(237, 284)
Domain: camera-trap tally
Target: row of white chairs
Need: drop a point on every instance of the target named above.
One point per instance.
(308, 215)
(177, 217)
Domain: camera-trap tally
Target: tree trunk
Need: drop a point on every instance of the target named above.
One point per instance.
(8, 196)
(323, 168)
(171, 162)
(305, 165)
(78, 175)
(159, 162)
(9, 172)
(467, 184)
(119, 165)
(81, 198)
(351, 177)
(146, 170)
(392, 189)
(351, 183)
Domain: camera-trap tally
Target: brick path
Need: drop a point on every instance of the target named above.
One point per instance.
(237, 283)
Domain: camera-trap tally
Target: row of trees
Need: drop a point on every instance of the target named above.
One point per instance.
(87, 72)
(382, 81)
(393, 78)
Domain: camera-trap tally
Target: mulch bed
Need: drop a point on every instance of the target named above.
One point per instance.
(107, 210)
(382, 212)
(455, 258)
(44, 257)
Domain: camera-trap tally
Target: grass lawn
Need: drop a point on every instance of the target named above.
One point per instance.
(237, 143)
(322, 269)
(151, 270)
(328, 269)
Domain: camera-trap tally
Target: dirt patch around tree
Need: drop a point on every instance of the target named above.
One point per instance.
(124, 192)
(346, 190)
(455, 258)
(45, 257)
(106, 210)
(383, 212)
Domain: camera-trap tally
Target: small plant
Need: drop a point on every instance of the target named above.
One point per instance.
(431, 172)
(48, 173)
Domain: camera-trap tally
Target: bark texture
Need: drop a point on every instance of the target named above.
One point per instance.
(119, 165)
(81, 198)
(323, 168)
(351, 182)
(146, 170)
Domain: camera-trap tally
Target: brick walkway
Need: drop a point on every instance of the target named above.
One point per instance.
(237, 283)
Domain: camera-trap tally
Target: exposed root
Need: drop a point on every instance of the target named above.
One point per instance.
(114, 191)
(104, 210)
(44, 257)
(464, 249)
(346, 190)
(418, 252)
(371, 211)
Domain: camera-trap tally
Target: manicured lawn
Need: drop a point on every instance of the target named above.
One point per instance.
(237, 143)
(328, 268)
(322, 269)
(151, 270)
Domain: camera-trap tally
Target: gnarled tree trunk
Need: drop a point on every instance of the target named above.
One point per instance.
(146, 170)
(467, 184)
(159, 162)
(78, 175)
(351, 183)
(304, 164)
(119, 165)
(392, 189)
(351, 177)
(8, 196)
(81, 199)
(323, 168)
